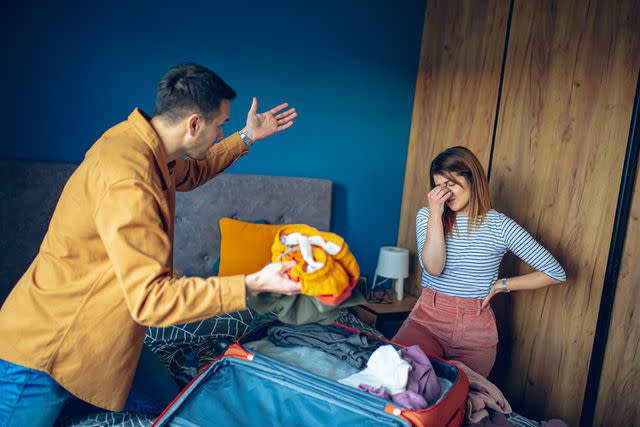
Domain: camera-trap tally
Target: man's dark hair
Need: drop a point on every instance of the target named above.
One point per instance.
(190, 88)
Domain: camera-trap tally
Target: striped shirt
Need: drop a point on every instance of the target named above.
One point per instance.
(472, 262)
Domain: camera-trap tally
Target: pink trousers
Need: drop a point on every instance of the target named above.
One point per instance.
(453, 328)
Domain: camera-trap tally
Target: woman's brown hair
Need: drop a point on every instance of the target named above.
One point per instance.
(463, 162)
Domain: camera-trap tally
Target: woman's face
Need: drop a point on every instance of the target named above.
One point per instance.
(460, 193)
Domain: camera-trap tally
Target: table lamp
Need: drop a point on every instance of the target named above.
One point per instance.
(393, 263)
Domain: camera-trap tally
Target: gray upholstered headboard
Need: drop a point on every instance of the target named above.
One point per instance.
(276, 199)
(29, 192)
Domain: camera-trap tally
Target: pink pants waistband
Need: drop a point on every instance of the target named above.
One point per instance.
(449, 303)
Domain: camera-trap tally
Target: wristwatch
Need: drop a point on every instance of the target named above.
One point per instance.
(248, 141)
(504, 285)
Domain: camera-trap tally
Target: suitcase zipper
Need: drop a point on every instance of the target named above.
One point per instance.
(322, 388)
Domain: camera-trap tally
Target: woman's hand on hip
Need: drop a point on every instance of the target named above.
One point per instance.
(495, 289)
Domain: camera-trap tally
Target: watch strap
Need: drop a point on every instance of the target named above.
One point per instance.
(248, 141)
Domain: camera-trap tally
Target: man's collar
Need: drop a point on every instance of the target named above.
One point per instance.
(141, 122)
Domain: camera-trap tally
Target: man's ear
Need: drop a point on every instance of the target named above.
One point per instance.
(194, 122)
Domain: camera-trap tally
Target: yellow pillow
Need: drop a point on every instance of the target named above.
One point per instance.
(245, 247)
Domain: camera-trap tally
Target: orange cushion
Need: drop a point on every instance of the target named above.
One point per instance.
(245, 247)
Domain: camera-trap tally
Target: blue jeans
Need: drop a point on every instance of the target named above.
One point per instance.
(33, 398)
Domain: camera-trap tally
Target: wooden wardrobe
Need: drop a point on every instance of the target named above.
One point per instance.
(543, 92)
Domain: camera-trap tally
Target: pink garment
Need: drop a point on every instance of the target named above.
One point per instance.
(452, 328)
(483, 396)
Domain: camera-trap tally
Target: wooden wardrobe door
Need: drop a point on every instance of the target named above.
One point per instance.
(567, 98)
(456, 98)
(619, 389)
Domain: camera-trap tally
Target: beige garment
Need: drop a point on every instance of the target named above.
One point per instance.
(483, 395)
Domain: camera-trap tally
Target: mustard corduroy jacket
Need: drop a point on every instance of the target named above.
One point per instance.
(104, 270)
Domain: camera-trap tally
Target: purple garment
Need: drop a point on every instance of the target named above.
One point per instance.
(380, 392)
(410, 400)
(407, 399)
(423, 387)
(422, 377)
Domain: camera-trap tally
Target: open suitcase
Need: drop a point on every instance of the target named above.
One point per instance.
(243, 388)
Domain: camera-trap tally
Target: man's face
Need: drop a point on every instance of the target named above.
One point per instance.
(204, 133)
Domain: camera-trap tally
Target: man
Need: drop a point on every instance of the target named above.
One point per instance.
(75, 322)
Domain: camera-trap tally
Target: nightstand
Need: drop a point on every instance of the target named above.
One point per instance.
(387, 318)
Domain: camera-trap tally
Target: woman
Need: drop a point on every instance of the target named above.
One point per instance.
(461, 242)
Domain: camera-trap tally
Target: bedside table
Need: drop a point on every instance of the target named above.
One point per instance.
(387, 318)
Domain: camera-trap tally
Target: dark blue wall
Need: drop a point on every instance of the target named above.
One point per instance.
(71, 72)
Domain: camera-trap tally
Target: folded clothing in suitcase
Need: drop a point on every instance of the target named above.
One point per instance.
(253, 383)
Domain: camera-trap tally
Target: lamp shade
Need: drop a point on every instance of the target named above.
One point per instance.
(393, 262)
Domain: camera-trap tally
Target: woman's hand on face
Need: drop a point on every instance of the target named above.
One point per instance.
(437, 198)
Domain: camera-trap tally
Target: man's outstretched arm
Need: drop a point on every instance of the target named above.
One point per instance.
(190, 173)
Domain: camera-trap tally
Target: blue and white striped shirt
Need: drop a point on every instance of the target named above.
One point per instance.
(472, 261)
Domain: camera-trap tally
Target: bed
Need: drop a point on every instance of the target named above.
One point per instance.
(28, 195)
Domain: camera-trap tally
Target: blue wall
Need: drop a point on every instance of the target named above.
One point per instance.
(349, 67)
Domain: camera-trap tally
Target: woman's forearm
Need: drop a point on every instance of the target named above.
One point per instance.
(526, 282)
(434, 252)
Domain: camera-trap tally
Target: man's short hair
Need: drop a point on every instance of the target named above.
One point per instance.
(190, 88)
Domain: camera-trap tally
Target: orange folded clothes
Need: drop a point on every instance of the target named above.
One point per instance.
(324, 266)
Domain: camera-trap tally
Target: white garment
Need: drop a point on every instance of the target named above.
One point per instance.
(385, 368)
(304, 243)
